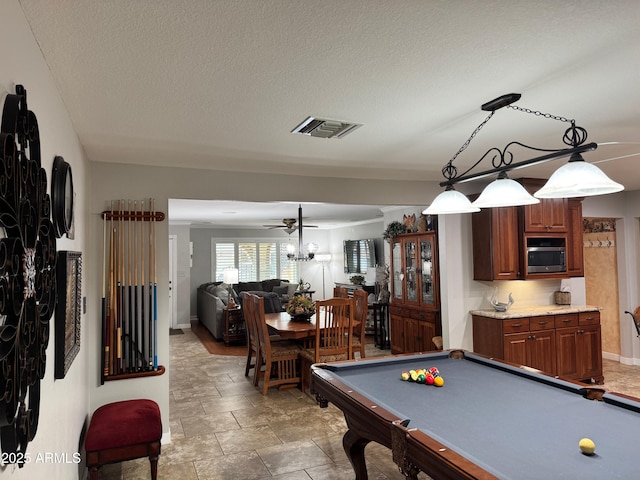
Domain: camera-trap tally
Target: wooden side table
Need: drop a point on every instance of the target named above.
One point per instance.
(234, 326)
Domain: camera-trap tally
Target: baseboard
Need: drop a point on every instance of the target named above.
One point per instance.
(611, 356)
(166, 438)
(629, 361)
(183, 326)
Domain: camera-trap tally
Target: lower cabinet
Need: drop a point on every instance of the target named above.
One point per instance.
(534, 349)
(566, 345)
(579, 353)
(412, 330)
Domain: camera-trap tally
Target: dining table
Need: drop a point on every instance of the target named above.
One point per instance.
(282, 324)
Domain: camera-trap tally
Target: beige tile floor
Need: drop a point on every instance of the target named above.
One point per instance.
(222, 428)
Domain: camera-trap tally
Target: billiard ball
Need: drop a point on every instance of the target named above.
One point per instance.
(414, 375)
(433, 371)
(438, 381)
(405, 376)
(587, 446)
(428, 379)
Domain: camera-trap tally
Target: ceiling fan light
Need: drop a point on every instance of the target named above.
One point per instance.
(504, 192)
(578, 178)
(450, 201)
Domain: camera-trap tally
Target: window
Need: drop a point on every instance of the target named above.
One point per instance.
(255, 259)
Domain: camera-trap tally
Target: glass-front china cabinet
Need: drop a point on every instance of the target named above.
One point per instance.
(415, 303)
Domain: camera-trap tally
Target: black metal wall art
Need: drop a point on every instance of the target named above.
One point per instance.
(27, 276)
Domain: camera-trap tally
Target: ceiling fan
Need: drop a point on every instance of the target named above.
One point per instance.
(289, 225)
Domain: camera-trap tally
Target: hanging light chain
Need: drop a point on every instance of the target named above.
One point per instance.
(449, 171)
(537, 113)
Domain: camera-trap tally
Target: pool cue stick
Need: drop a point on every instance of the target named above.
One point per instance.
(120, 289)
(131, 306)
(142, 296)
(112, 291)
(150, 358)
(134, 340)
(155, 294)
(104, 352)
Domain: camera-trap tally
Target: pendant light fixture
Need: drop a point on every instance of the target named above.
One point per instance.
(578, 178)
(300, 256)
(504, 192)
(450, 201)
(575, 179)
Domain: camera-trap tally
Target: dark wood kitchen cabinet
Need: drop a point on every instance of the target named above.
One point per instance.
(415, 301)
(567, 345)
(496, 244)
(574, 255)
(548, 216)
(579, 348)
(500, 237)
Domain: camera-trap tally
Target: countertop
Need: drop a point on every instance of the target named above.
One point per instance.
(534, 311)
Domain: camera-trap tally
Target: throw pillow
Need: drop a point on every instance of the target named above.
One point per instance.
(291, 289)
(282, 290)
(222, 292)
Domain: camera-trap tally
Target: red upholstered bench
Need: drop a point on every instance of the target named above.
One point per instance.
(122, 431)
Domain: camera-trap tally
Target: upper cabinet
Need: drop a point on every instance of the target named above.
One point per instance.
(548, 216)
(503, 239)
(496, 244)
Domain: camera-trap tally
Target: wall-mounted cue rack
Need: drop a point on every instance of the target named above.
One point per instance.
(129, 291)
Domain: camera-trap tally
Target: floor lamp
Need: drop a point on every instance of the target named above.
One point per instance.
(324, 259)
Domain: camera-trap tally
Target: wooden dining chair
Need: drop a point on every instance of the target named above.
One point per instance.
(280, 359)
(253, 342)
(340, 292)
(334, 336)
(361, 298)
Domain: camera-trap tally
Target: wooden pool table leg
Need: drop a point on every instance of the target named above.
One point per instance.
(354, 447)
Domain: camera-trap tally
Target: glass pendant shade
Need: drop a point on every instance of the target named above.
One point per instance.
(578, 178)
(504, 192)
(450, 201)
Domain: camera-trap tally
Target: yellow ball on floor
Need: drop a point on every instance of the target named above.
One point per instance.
(438, 381)
(587, 446)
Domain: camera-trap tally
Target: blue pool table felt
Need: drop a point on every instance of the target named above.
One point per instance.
(509, 425)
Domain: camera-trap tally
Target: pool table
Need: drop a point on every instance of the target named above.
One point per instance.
(489, 420)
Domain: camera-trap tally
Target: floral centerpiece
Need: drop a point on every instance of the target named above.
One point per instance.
(301, 307)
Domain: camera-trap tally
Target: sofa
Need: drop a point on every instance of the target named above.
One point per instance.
(212, 298)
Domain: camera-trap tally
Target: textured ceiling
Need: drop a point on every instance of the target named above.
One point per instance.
(220, 83)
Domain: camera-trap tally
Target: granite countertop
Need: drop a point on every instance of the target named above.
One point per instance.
(534, 311)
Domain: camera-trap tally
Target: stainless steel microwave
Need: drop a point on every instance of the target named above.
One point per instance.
(546, 255)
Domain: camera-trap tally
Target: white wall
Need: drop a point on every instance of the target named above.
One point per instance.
(63, 403)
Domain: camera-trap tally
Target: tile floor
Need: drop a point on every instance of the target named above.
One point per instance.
(222, 428)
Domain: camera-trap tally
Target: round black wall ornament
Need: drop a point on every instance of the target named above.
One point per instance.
(61, 196)
(27, 276)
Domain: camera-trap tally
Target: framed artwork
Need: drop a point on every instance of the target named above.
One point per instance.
(68, 310)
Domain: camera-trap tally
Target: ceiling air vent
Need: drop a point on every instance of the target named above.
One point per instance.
(318, 127)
